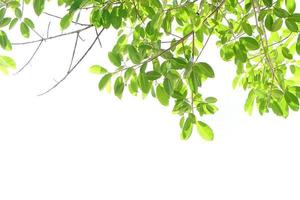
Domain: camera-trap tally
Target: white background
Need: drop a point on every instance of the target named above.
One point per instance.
(78, 143)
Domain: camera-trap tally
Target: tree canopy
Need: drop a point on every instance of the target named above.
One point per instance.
(159, 46)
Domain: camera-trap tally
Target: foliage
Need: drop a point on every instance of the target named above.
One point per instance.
(160, 43)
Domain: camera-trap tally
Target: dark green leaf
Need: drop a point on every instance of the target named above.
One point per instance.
(291, 25)
(291, 100)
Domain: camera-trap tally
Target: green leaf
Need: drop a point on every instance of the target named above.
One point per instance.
(116, 19)
(291, 100)
(269, 22)
(187, 129)
(5, 21)
(38, 6)
(295, 17)
(249, 102)
(24, 30)
(211, 100)
(128, 73)
(6, 63)
(106, 17)
(157, 3)
(276, 108)
(204, 131)
(114, 58)
(286, 53)
(168, 86)
(193, 81)
(119, 87)
(18, 13)
(250, 43)
(290, 5)
(162, 95)
(104, 81)
(75, 5)
(29, 23)
(247, 28)
(144, 83)
(268, 3)
(133, 86)
(66, 21)
(277, 25)
(13, 23)
(205, 69)
(291, 25)
(4, 41)
(153, 75)
(97, 69)
(2, 13)
(226, 53)
(298, 45)
(133, 54)
(178, 63)
(279, 12)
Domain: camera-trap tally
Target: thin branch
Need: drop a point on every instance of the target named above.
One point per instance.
(100, 44)
(74, 51)
(81, 38)
(37, 33)
(52, 37)
(48, 29)
(72, 68)
(31, 58)
(58, 17)
(205, 44)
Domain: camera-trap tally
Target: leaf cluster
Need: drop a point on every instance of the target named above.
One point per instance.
(160, 43)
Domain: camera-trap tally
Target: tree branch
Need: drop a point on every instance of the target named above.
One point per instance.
(30, 59)
(52, 37)
(72, 68)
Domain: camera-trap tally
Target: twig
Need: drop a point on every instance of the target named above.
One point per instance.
(52, 37)
(30, 59)
(48, 29)
(58, 17)
(74, 51)
(71, 70)
(98, 38)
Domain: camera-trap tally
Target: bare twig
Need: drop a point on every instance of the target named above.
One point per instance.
(30, 59)
(100, 44)
(58, 17)
(48, 29)
(52, 37)
(74, 51)
(72, 68)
